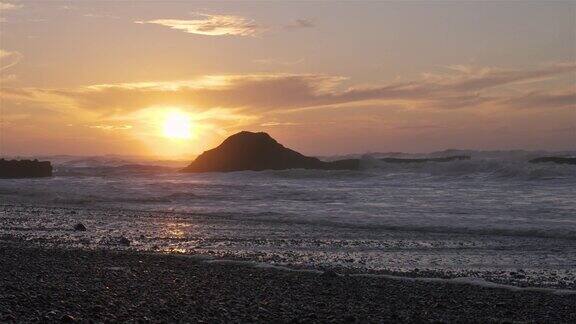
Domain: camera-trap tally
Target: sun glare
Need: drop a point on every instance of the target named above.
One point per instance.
(177, 125)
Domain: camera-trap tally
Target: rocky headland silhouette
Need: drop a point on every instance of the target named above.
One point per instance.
(10, 169)
(248, 151)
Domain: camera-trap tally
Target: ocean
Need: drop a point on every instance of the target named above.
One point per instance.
(495, 217)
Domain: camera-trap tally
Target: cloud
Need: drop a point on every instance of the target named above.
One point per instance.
(9, 6)
(255, 92)
(17, 93)
(459, 101)
(301, 23)
(479, 79)
(275, 124)
(544, 100)
(111, 127)
(262, 94)
(212, 25)
(273, 61)
(9, 59)
(472, 79)
(94, 15)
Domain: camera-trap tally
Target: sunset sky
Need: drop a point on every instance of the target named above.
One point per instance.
(174, 78)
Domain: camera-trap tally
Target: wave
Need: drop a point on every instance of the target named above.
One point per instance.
(567, 232)
(489, 168)
(88, 200)
(102, 197)
(121, 170)
(511, 164)
(479, 169)
(518, 155)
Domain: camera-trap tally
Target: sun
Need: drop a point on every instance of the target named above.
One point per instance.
(177, 125)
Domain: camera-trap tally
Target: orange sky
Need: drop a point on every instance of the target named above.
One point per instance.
(172, 79)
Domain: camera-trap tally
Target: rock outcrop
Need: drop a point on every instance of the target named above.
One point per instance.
(554, 159)
(24, 169)
(443, 159)
(257, 152)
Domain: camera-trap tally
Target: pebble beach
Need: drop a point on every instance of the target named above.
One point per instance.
(40, 284)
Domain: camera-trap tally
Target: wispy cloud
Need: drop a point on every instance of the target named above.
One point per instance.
(273, 93)
(275, 61)
(9, 6)
(95, 15)
(276, 124)
(212, 25)
(489, 77)
(543, 100)
(301, 23)
(7, 60)
(249, 92)
(111, 127)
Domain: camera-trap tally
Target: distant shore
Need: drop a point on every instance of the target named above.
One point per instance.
(51, 284)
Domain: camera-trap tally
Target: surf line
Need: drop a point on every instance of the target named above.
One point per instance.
(471, 281)
(459, 280)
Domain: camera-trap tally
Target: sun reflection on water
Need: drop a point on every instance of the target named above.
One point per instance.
(172, 249)
(176, 231)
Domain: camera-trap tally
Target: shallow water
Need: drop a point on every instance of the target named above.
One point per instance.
(495, 217)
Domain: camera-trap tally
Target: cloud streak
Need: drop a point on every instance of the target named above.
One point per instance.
(535, 100)
(488, 78)
(301, 23)
(211, 25)
(9, 59)
(272, 93)
(4, 6)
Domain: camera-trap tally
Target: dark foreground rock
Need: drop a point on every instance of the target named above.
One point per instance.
(10, 169)
(124, 241)
(80, 227)
(443, 159)
(52, 285)
(554, 159)
(257, 152)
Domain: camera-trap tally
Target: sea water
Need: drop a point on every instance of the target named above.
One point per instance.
(495, 216)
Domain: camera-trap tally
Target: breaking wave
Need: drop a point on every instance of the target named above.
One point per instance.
(491, 168)
(127, 169)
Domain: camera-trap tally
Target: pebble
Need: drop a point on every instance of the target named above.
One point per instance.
(124, 241)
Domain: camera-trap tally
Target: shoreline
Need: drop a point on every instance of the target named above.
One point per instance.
(51, 284)
(436, 276)
(52, 227)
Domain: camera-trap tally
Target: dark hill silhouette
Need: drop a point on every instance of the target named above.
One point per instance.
(259, 151)
(25, 169)
(442, 159)
(554, 159)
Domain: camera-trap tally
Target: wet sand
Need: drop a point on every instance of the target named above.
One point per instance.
(54, 284)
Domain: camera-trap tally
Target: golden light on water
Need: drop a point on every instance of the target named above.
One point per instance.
(177, 125)
(175, 233)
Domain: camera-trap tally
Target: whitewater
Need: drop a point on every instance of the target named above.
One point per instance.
(495, 217)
